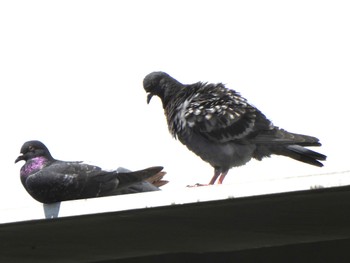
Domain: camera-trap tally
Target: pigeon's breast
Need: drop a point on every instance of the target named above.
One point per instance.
(32, 166)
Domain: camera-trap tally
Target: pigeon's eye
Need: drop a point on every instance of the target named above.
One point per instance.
(31, 148)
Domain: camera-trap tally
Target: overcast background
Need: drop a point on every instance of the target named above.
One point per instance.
(71, 76)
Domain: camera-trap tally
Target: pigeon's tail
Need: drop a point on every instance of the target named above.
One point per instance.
(280, 142)
(299, 153)
(297, 150)
(157, 180)
(278, 137)
(129, 178)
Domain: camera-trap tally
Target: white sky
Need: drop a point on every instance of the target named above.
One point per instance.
(71, 76)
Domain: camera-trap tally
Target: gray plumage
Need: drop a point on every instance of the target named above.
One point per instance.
(221, 127)
(49, 180)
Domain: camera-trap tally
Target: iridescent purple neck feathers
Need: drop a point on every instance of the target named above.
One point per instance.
(32, 166)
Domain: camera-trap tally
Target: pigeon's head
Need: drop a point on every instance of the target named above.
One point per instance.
(155, 84)
(32, 149)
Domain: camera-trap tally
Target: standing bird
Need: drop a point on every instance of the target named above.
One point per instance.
(49, 180)
(221, 127)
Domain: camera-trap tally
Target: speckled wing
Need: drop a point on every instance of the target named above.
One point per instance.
(219, 114)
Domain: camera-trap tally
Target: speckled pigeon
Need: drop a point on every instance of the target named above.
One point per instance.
(222, 128)
(49, 180)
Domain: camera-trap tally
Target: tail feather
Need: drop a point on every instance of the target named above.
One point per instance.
(157, 180)
(126, 179)
(302, 154)
(278, 136)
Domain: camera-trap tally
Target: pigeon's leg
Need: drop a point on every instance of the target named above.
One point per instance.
(217, 172)
(222, 177)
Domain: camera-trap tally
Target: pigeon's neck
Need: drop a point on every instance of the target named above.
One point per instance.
(172, 90)
(32, 166)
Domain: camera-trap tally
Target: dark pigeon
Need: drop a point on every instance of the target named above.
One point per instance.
(222, 128)
(49, 180)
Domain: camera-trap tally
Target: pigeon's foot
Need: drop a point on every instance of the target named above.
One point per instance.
(197, 185)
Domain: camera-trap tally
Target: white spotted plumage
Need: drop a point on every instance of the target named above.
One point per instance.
(198, 112)
(221, 127)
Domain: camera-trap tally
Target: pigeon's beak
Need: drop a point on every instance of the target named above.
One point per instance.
(19, 158)
(149, 97)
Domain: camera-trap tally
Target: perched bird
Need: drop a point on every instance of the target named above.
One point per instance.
(221, 127)
(49, 180)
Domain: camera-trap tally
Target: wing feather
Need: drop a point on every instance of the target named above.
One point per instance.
(220, 114)
(65, 181)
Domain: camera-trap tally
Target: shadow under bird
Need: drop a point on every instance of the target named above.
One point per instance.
(49, 180)
(222, 128)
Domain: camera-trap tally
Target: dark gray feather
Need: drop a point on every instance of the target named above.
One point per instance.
(221, 127)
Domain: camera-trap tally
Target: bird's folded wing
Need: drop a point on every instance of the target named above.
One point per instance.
(64, 174)
(221, 115)
(49, 186)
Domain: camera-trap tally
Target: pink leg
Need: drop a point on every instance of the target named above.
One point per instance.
(217, 172)
(222, 177)
(216, 175)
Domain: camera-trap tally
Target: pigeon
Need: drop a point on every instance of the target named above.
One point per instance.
(49, 180)
(222, 128)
